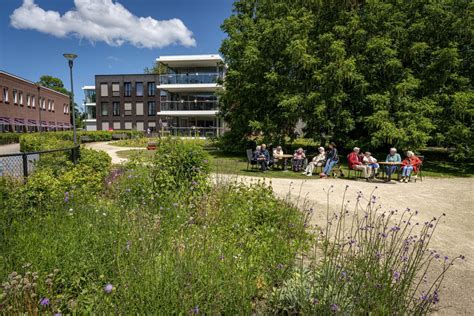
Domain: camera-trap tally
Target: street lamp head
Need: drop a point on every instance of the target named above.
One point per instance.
(70, 56)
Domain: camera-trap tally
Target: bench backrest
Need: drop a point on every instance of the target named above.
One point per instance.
(249, 154)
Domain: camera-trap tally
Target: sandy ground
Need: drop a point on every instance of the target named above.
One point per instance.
(431, 197)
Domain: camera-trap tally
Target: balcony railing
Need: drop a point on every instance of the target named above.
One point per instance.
(194, 131)
(194, 78)
(188, 105)
(90, 99)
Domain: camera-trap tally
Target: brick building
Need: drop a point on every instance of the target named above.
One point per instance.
(27, 107)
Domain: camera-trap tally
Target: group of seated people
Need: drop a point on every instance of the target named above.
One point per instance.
(326, 160)
(364, 162)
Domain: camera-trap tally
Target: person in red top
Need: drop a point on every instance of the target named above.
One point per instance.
(355, 163)
(409, 164)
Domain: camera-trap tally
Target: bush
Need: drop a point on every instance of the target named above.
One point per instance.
(9, 138)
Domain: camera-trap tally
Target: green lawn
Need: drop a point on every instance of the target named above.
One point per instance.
(231, 164)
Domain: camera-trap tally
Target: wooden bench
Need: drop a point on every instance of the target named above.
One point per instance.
(85, 139)
(119, 136)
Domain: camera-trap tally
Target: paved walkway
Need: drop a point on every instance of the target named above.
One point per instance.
(9, 149)
(111, 150)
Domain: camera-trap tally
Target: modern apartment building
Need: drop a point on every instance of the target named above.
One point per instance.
(28, 107)
(181, 101)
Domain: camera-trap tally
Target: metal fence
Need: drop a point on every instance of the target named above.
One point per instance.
(23, 164)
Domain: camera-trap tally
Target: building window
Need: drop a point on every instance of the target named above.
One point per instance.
(127, 107)
(49, 105)
(151, 89)
(104, 89)
(5, 95)
(127, 89)
(128, 125)
(151, 108)
(33, 101)
(104, 109)
(15, 96)
(139, 89)
(115, 109)
(116, 125)
(115, 89)
(105, 126)
(43, 104)
(28, 100)
(21, 97)
(140, 126)
(139, 108)
(52, 105)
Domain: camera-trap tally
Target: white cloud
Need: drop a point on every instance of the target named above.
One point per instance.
(103, 20)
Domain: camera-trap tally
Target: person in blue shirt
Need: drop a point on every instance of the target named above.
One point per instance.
(392, 157)
(331, 159)
(264, 158)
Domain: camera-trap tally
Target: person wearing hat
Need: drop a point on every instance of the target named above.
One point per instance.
(332, 158)
(317, 161)
(355, 163)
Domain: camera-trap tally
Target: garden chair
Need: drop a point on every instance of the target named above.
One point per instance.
(418, 173)
(357, 173)
(250, 161)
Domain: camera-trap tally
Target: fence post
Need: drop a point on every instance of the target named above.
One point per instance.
(25, 165)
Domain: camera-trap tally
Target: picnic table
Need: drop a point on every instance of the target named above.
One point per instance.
(285, 158)
(386, 164)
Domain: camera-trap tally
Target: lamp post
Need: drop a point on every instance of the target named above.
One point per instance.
(70, 58)
(39, 106)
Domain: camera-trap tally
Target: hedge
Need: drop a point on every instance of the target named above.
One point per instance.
(9, 138)
(34, 141)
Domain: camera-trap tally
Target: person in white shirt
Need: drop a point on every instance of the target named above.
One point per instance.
(371, 162)
(317, 161)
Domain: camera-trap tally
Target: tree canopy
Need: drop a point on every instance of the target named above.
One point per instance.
(375, 73)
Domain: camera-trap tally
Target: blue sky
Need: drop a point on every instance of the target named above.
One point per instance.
(33, 41)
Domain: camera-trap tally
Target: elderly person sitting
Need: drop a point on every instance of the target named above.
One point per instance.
(392, 157)
(409, 164)
(298, 159)
(369, 160)
(263, 158)
(318, 161)
(355, 163)
(277, 156)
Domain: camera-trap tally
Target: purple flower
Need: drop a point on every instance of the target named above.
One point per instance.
(66, 196)
(44, 301)
(205, 161)
(396, 276)
(57, 314)
(334, 307)
(108, 288)
(315, 301)
(195, 310)
(279, 266)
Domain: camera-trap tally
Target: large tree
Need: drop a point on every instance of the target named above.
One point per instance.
(375, 73)
(58, 85)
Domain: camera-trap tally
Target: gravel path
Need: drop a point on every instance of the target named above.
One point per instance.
(111, 150)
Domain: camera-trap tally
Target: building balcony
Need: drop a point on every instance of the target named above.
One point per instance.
(188, 105)
(192, 78)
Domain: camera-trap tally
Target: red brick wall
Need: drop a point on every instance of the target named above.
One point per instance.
(23, 111)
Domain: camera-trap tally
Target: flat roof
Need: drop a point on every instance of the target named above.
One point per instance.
(88, 88)
(30, 82)
(208, 60)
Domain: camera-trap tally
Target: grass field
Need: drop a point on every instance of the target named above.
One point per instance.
(231, 164)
